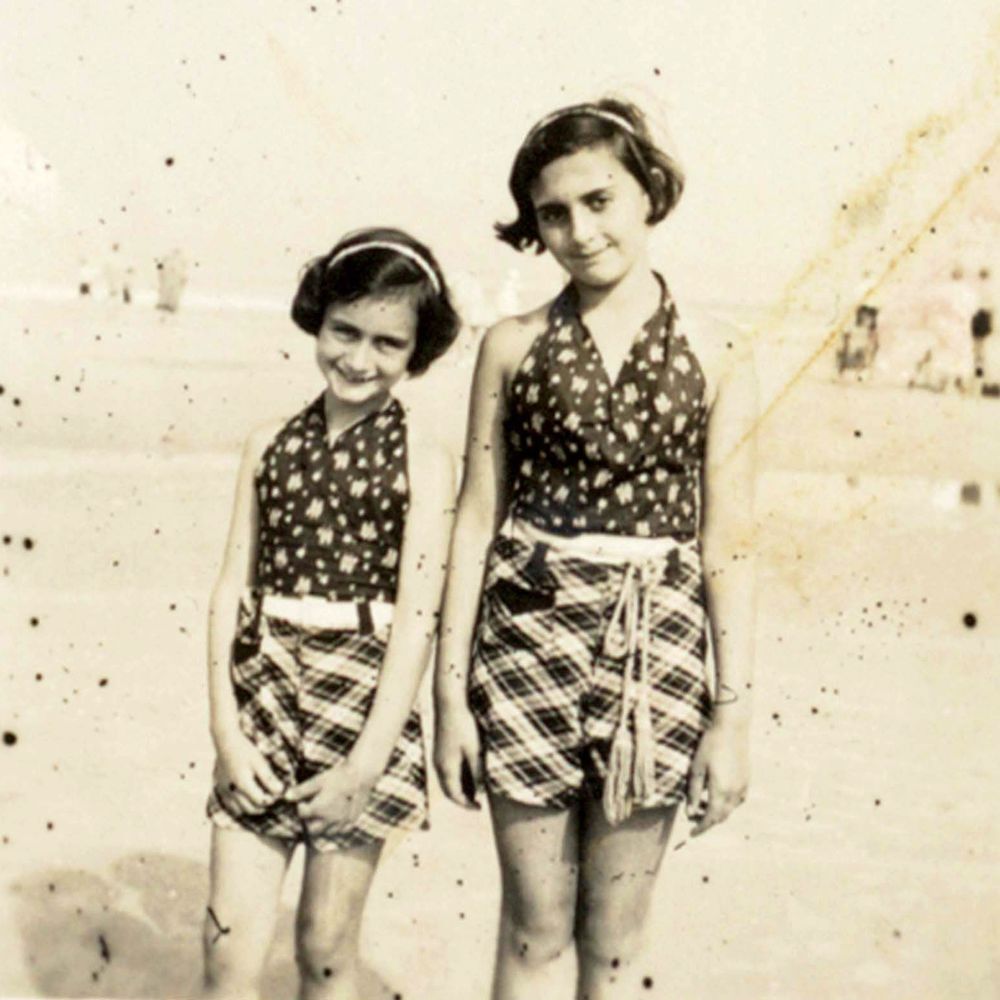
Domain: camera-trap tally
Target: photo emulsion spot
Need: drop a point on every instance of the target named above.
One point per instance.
(499, 502)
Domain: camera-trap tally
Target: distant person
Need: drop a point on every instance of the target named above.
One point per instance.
(845, 357)
(604, 530)
(866, 320)
(85, 284)
(981, 327)
(171, 277)
(859, 346)
(337, 545)
(114, 278)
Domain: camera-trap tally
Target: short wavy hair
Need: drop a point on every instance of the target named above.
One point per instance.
(579, 127)
(379, 270)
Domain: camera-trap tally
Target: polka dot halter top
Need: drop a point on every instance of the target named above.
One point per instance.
(332, 514)
(591, 456)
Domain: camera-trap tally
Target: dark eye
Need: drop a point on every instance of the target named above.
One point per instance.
(345, 334)
(549, 214)
(599, 201)
(390, 344)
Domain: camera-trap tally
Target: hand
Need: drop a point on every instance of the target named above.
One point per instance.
(243, 775)
(456, 755)
(333, 798)
(719, 777)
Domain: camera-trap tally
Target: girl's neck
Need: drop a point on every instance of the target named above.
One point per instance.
(637, 291)
(341, 415)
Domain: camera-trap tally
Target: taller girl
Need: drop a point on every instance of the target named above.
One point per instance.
(602, 536)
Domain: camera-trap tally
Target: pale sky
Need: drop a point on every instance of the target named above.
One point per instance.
(290, 122)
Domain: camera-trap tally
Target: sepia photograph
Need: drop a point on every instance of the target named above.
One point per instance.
(500, 501)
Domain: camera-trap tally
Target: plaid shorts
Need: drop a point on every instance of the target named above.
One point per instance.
(304, 694)
(546, 694)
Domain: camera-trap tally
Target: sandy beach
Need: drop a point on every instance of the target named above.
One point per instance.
(836, 156)
(862, 866)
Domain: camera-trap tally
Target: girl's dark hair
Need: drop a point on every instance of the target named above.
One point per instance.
(578, 127)
(380, 270)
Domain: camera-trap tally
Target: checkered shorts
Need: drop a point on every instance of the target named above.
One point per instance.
(546, 695)
(303, 696)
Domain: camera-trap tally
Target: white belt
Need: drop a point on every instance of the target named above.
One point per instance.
(338, 616)
(597, 546)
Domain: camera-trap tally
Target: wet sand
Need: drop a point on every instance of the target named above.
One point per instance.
(863, 865)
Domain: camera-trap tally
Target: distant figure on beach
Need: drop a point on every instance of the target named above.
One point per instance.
(981, 327)
(85, 284)
(171, 277)
(604, 531)
(859, 346)
(118, 277)
(333, 570)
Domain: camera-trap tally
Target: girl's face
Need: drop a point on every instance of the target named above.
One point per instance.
(591, 215)
(364, 346)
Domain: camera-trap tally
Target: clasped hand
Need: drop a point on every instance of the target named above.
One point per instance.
(333, 798)
(243, 775)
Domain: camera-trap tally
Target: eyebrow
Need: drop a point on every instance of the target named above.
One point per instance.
(342, 324)
(393, 338)
(584, 197)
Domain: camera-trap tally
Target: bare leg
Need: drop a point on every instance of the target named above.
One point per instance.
(334, 889)
(246, 876)
(618, 869)
(538, 851)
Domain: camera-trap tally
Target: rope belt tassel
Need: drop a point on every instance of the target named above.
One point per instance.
(631, 765)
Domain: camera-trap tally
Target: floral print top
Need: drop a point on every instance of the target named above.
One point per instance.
(332, 513)
(591, 456)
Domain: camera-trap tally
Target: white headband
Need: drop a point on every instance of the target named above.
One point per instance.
(583, 109)
(401, 248)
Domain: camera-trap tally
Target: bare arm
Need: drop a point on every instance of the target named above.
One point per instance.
(243, 771)
(421, 579)
(722, 762)
(236, 573)
(728, 537)
(482, 506)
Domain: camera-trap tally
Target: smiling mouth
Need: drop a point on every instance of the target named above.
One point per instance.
(586, 258)
(353, 379)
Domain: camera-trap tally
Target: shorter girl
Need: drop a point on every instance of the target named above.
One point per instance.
(338, 536)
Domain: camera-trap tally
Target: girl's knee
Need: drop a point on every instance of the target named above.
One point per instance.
(613, 950)
(611, 943)
(539, 935)
(540, 943)
(325, 949)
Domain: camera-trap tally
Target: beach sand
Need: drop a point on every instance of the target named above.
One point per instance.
(863, 865)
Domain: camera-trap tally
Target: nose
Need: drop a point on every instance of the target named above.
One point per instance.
(581, 227)
(359, 357)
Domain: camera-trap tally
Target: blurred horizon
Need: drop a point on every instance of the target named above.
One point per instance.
(816, 142)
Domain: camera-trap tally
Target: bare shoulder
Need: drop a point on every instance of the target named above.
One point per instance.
(259, 438)
(430, 462)
(507, 342)
(723, 349)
